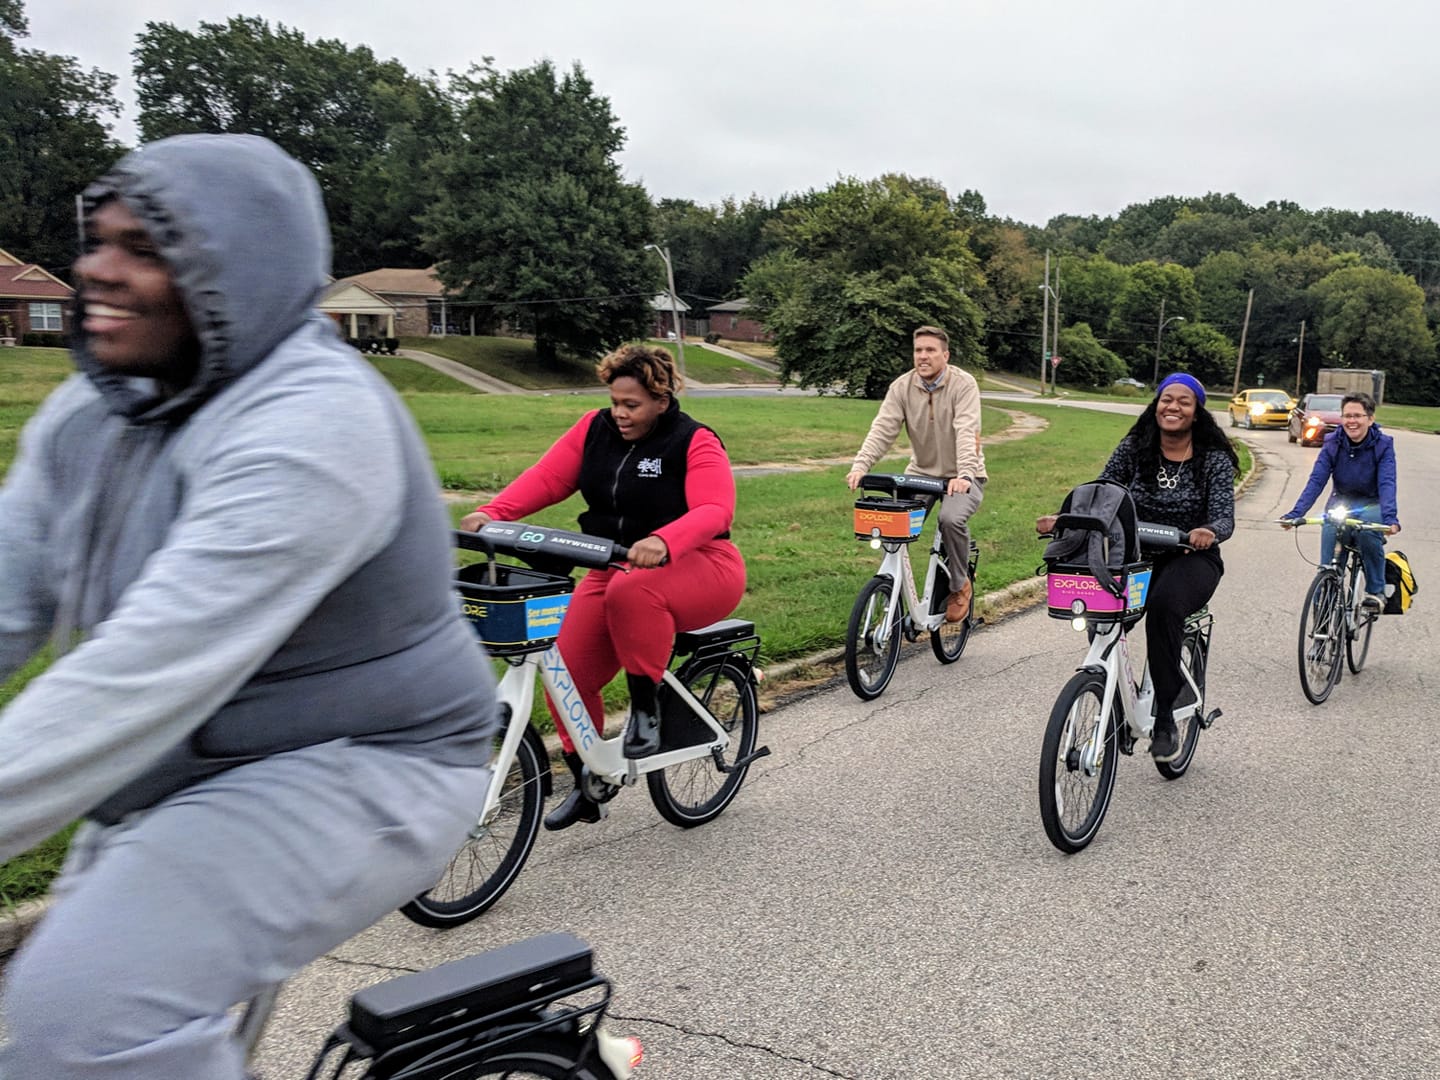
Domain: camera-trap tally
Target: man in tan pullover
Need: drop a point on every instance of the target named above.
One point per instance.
(939, 407)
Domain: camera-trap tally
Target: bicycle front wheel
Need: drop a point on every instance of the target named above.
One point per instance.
(1321, 629)
(493, 853)
(1357, 641)
(872, 640)
(696, 791)
(1192, 660)
(1077, 763)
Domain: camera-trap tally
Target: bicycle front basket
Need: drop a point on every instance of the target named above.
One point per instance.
(1072, 591)
(898, 520)
(520, 612)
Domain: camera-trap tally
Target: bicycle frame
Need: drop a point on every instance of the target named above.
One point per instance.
(1109, 655)
(897, 566)
(602, 755)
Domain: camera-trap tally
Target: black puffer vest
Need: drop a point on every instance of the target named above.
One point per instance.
(633, 488)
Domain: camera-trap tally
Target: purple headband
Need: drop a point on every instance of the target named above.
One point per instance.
(1188, 381)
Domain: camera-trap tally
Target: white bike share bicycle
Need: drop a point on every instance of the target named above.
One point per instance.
(888, 606)
(708, 708)
(1102, 711)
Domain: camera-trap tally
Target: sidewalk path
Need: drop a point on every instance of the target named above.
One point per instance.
(458, 371)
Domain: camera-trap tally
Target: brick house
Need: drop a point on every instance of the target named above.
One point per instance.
(33, 300)
(663, 318)
(417, 297)
(729, 321)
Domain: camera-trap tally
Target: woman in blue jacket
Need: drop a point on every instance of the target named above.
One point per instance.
(1360, 459)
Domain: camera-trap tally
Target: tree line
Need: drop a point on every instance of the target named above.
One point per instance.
(508, 183)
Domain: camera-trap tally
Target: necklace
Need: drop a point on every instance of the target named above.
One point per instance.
(1169, 479)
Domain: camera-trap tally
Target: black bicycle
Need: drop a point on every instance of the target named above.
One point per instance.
(532, 1009)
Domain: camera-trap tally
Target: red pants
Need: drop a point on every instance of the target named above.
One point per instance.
(629, 620)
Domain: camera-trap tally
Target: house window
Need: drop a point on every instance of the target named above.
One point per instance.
(45, 317)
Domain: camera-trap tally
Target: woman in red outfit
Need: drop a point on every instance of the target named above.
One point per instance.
(658, 482)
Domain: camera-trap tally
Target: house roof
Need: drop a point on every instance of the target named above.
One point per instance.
(29, 281)
(400, 281)
(731, 305)
(661, 302)
(348, 295)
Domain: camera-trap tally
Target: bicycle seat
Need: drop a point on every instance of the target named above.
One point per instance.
(539, 969)
(717, 633)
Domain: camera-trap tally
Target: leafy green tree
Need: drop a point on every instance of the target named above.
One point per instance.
(1201, 350)
(1135, 318)
(1090, 288)
(364, 126)
(1084, 361)
(1372, 318)
(532, 218)
(859, 267)
(55, 119)
(1010, 298)
(711, 247)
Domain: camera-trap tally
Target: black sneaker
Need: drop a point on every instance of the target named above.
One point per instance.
(1373, 603)
(1165, 740)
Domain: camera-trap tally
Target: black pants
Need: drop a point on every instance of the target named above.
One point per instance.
(1179, 585)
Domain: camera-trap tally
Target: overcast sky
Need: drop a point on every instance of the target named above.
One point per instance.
(1044, 107)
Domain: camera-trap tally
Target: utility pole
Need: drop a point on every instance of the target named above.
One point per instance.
(1244, 329)
(1045, 324)
(1055, 338)
(1159, 329)
(1299, 356)
(664, 254)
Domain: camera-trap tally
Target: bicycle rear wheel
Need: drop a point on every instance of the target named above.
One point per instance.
(493, 853)
(1077, 763)
(1192, 659)
(948, 640)
(872, 641)
(1357, 641)
(1321, 630)
(696, 791)
(548, 1057)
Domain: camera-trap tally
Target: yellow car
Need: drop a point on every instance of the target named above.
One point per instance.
(1261, 408)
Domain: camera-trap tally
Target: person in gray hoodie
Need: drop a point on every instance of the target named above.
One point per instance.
(264, 701)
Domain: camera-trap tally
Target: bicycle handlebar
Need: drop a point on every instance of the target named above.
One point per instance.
(535, 542)
(1151, 534)
(896, 483)
(1347, 522)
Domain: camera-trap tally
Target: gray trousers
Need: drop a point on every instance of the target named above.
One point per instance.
(954, 526)
(165, 921)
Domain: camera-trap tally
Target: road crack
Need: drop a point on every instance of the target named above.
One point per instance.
(720, 1036)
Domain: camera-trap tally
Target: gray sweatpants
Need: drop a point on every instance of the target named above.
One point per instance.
(953, 523)
(165, 921)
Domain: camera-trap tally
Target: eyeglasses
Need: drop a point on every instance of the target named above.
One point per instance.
(1353, 416)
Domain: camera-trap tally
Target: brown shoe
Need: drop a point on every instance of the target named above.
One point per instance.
(958, 604)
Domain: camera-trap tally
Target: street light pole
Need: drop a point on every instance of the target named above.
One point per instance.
(1159, 330)
(664, 253)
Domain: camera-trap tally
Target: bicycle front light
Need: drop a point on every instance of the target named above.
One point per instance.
(875, 543)
(1077, 608)
(1338, 514)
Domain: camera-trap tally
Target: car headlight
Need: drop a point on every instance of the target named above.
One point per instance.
(1256, 408)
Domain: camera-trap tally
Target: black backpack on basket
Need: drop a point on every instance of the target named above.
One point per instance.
(1095, 531)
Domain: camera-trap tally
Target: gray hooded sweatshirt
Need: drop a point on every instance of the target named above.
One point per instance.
(256, 563)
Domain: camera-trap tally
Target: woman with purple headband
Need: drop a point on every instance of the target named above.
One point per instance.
(1180, 469)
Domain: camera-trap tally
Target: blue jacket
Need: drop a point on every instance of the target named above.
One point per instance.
(1364, 473)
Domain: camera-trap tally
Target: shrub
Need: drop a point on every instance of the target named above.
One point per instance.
(712, 337)
(44, 339)
(392, 345)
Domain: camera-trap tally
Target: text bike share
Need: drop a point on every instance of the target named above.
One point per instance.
(708, 708)
(892, 517)
(535, 1008)
(1102, 709)
(1334, 612)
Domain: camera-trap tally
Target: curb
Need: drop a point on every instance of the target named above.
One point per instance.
(17, 922)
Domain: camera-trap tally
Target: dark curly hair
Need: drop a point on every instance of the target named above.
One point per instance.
(649, 365)
(1205, 434)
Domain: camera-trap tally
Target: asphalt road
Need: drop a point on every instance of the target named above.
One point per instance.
(881, 901)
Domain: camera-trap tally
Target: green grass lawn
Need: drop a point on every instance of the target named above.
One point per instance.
(413, 377)
(704, 366)
(511, 359)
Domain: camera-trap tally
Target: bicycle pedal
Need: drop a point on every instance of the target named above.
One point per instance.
(908, 628)
(1210, 718)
